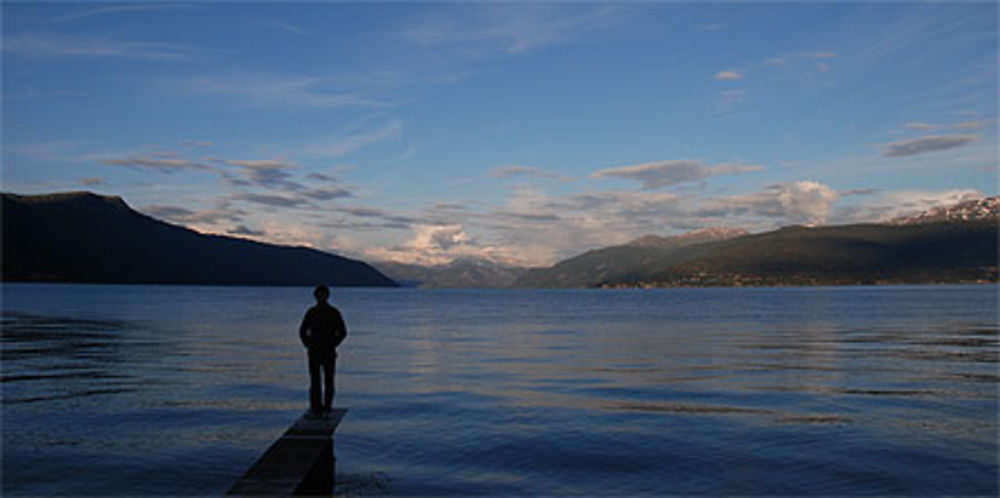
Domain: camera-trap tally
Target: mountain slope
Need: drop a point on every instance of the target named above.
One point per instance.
(918, 253)
(963, 250)
(630, 262)
(83, 237)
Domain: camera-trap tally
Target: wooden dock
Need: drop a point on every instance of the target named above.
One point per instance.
(300, 462)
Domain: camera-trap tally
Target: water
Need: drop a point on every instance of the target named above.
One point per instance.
(140, 390)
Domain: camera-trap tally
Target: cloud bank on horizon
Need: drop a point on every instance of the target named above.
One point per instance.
(518, 133)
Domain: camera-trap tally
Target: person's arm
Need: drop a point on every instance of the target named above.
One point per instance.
(304, 329)
(341, 331)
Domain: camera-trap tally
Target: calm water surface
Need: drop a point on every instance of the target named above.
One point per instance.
(139, 390)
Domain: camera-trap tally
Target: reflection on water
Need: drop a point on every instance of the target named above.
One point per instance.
(118, 390)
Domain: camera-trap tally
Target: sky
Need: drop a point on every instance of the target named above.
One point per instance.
(518, 133)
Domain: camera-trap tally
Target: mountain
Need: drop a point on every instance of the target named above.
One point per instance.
(944, 245)
(629, 262)
(458, 274)
(84, 237)
(933, 252)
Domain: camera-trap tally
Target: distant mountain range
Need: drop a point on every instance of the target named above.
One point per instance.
(945, 245)
(458, 274)
(84, 237)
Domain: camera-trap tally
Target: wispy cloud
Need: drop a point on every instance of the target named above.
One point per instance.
(61, 45)
(926, 144)
(355, 139)
(921, 126)
(728, 75)
(267, 173)
(297, 91)
(158, 164)
(119, 9)
(516, 28)
(524, 171)
(729, 100)
(272, 200)
(671, 172)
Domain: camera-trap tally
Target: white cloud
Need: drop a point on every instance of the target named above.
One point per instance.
(728, 75)
(930, 143)
(798, 202)
(671, 172)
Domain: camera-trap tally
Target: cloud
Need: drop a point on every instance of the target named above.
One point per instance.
(184, 215)
(817, 55)
(671, 172)
(244, 230)
(281, 201)
(341, 145)
(196, 143)
(527, 171)
(267, 173)
(91, 181)
(921, 126)
(800, 201)
(968, 125)
(888, 205)
(322, 177)
(728, 100)
(327, 193)
(515, 28)
(856, 191)
(821, 67)
(922, 145)
(157, 164)
(295, 91)
(774, 61)
(58, 45)
(116, 9)
(729, 75)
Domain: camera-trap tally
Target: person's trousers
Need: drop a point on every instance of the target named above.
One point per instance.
(328, 363)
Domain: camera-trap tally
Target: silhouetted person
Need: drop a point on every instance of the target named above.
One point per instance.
(322, 330)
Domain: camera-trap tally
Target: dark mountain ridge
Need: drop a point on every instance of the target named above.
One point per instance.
(85, 237)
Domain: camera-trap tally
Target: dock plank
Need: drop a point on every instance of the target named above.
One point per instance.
(301, 461)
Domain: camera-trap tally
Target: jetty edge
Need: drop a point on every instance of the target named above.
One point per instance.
(301, 462)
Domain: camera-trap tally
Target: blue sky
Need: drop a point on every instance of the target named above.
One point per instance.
(515, 132)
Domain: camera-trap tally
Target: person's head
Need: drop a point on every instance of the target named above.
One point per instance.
(322, 293)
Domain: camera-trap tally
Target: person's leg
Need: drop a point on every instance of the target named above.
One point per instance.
(314, 364)
(329, 369)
